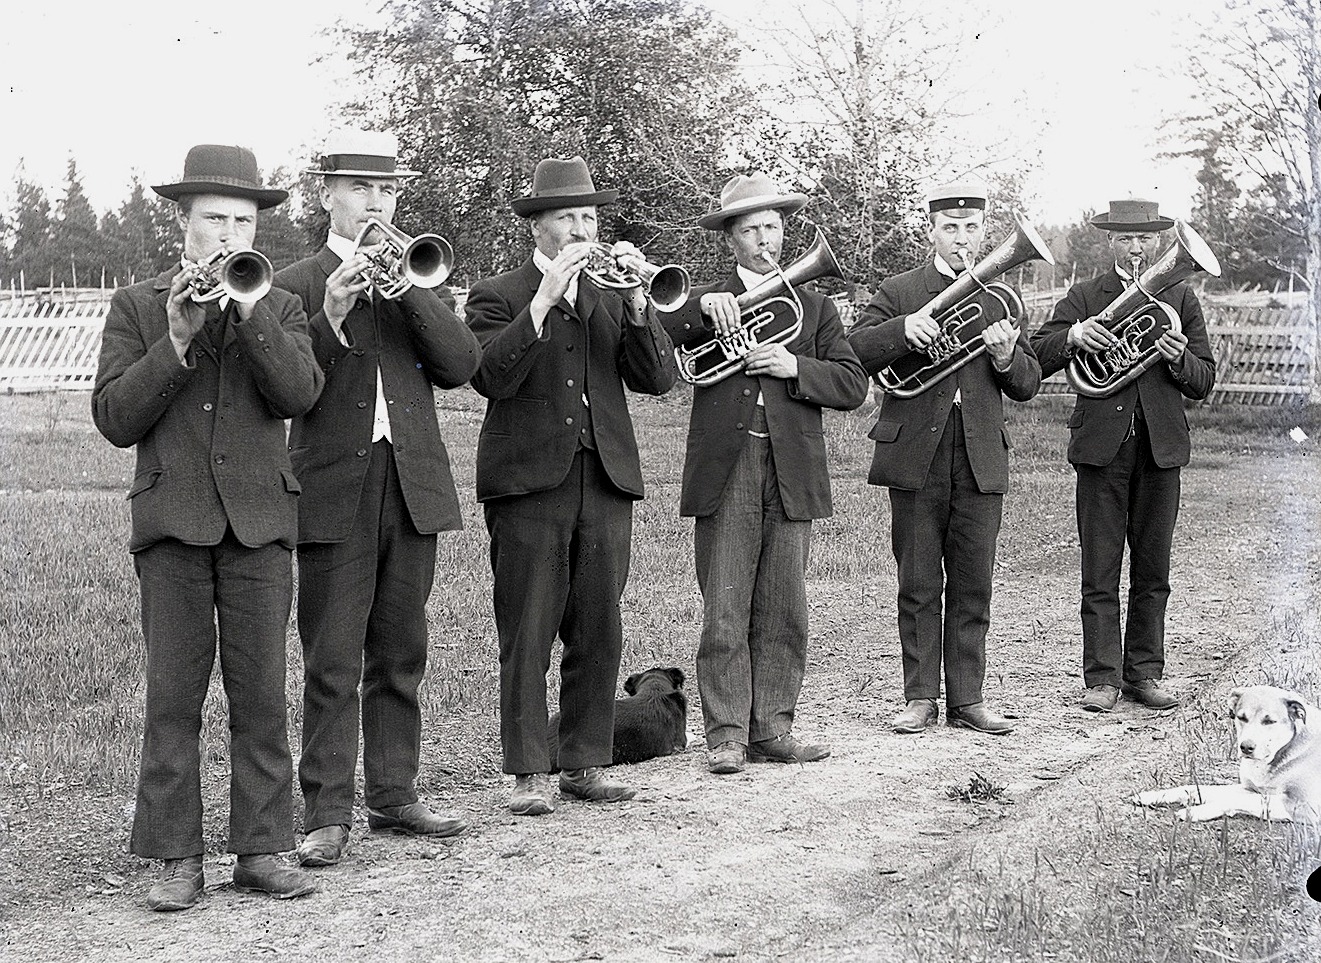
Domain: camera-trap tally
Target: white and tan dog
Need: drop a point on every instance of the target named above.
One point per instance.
(1279, 769)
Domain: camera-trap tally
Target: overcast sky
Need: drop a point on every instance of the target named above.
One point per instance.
(125, 87)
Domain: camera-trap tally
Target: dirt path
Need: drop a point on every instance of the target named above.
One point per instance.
(813, 862)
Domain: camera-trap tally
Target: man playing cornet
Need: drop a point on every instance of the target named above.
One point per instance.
(376, 489)
(755, 477)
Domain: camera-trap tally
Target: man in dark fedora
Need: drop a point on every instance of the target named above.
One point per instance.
(1127, 450)
(377, 489)
(944, 455)
(755, 477)
(557, 473)
(202, 391)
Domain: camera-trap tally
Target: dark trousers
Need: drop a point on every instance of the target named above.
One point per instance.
(185, 589)
(560, 561)
(1129, 500)
(362, 617)
(751, 563)
(943, 536)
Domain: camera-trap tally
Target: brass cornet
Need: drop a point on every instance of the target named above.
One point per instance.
(666, 286)
(398, 262)
(245, 275)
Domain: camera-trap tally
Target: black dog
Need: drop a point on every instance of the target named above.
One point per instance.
(651, 722)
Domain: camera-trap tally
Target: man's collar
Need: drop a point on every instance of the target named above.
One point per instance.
(343, 246)
(943, 267)
(749, 277)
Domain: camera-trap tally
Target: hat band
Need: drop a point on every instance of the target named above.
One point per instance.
(243, 182)
(957, 204)
(358, 162)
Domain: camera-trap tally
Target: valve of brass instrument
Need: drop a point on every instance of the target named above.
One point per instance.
(667, 286)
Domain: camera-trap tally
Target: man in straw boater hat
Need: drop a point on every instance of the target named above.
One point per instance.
(943, 454)
(755, 477)
(202, 391)
(557, 473)
(377, 488)
(1127, 449)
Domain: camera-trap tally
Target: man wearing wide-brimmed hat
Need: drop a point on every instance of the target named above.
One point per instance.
(943, 455)
(202, 391)
(377, 489)
(755, 477)
(1127, 449)
(557, 474)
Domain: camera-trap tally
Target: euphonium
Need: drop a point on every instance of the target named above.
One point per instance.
(1139, 320)
(398, 262)
(715, 360)
(962, 318)
(245, 275)
(666, 286)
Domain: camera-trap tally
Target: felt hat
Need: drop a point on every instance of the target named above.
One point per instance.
(561, 182)
(958, 196)
(360, 153)
(745, 193)
(224, 170)
(1132, 214)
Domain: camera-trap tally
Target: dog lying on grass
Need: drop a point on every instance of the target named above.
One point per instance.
(1279, 769)
(652, 721)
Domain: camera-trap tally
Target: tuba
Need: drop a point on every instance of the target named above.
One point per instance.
(244, 275)
(962, 318)
(1138, 320)
(715, 360)
(667, 286)
(398, 262)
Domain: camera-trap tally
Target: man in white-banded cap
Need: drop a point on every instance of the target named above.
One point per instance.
(943, 454)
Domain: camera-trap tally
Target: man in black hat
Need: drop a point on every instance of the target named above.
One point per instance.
(755, 477)
(558, 472)
(202, 391)
(944, 455)
(1127, 449)
(377, 488)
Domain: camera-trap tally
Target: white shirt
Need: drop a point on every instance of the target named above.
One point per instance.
(345, 247)
(543, 264)
(750, 280)
(944, 268)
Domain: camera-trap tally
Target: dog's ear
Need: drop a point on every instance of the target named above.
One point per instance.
(676, 676)
(1234, 696)
(631, 683)
(1297, 708)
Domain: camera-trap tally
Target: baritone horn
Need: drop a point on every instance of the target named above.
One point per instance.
(244, 275)
(962, 318)
(1139, 320)
(759, 323)
(397, 262)
(667, 286)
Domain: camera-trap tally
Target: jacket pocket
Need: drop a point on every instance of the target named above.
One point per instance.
(884, 431)
(1075, 418)
(290, 482)
(1004, 436)
(145, 480)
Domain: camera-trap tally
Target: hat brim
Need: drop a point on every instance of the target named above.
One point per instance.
(788, 203)
(527, 206)
(1155, 224)
(265, 197)
(401, 174)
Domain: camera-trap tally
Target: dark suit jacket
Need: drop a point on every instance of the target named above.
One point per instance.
(1098, 426)
(210, 436)
(829, 376)
(417, 341)
(535, 385)
(908, 430)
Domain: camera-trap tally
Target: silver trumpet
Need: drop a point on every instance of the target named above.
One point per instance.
(398, 262)
(666, 286)
(244, 275)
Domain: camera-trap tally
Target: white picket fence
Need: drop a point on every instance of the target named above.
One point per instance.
(50, 341)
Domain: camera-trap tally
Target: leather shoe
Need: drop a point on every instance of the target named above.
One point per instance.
(532, 795)
(1101, 698)
(592, 785)
(977, 716)
(324, 846)
(786, 748)
(727, 758)
(179, 885)
(917, 716)
(1150, 694)
(414, 819)
(263, 873)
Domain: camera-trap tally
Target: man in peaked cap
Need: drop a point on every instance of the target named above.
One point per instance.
(755, 477)
(557, 474)
(377, 488)
(202, 391)
(943, 454)
(1127, 449)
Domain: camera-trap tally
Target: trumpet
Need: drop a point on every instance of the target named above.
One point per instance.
(244, 275)
(716, 359)
(397, 262)
(667, 286)
(1139, 320)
